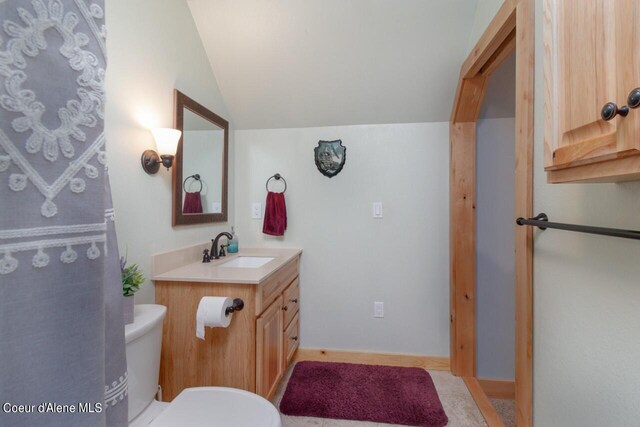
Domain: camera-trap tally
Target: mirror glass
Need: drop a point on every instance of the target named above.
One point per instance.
(202, 151)
(200, 171)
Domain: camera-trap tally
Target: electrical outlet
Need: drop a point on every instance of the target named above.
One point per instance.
(256, 211)
(378, 309)
(377, 210)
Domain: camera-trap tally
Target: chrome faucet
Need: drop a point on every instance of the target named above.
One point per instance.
(214, 245)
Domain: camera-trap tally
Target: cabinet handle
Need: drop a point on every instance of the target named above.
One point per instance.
(295, 301)
(285, 308)
(610, 110)
(634, 98)
(294, 338)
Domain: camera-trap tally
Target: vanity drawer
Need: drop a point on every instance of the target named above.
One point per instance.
(291, 339)
(276, 284)
(291, 301)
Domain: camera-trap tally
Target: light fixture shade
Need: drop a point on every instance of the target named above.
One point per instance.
(166, 140)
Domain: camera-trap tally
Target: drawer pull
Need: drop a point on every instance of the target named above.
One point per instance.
(294, 338)
(634, 98)
(610, 110)
(285, 308)
(295, 301)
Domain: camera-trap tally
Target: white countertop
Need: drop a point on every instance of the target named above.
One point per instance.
(212, 272)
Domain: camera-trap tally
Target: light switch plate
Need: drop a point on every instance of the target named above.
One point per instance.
(377, 210)
(378, 309)
(256, 210)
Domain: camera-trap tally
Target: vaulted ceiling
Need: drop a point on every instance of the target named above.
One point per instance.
(300, 63)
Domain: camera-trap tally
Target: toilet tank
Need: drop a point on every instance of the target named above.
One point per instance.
(143, 338)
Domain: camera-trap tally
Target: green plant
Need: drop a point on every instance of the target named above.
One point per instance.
(132, 278)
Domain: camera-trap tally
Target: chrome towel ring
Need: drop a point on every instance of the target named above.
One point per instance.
(195, 177)
(277, 177)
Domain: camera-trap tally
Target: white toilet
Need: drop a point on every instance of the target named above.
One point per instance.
(194, 407)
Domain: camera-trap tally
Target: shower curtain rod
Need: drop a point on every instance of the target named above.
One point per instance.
(542, 222)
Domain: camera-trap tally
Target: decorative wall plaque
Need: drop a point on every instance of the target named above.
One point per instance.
(330, 157)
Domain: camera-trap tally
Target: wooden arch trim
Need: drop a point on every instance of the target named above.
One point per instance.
(511, 29)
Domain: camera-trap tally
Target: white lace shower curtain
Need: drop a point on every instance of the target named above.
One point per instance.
(61, 325)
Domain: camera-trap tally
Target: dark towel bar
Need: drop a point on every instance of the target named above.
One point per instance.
(542, 222)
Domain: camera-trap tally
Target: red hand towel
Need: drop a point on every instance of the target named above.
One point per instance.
(192, 203)
(275, 215)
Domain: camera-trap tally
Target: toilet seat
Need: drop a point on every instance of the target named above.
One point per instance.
(218, 407)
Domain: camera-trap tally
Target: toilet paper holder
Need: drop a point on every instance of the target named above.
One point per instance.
(237, 305)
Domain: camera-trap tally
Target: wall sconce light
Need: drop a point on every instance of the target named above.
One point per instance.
(167, 144)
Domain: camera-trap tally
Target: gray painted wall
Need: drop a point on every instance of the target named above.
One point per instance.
(586, 290)
(500, 99)
(350, 259)
(586, 296)
(495, 272)
(153, 48)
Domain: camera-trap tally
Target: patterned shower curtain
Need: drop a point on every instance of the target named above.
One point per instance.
(61, 324)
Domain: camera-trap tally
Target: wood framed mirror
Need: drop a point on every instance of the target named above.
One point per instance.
(200, 171)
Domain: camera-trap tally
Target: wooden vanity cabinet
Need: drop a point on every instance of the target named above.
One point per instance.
(251, 354)
(291, 339)
(270, 349)
(290, 303)
(277, 339)
(291, 306)
(591, 58)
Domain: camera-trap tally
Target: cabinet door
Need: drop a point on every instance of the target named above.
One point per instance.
(590, 60)
(269, 349)
(627, 71)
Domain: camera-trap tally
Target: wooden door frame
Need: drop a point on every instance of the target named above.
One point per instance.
(511, 29)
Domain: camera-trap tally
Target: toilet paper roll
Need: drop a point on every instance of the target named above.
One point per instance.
(211, 313)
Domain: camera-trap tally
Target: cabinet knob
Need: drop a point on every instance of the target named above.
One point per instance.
(634, 98)
(295, 301)
(285, 308)
(294, 338)
(610, 110)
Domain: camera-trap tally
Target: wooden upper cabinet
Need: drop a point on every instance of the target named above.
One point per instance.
(591, 59)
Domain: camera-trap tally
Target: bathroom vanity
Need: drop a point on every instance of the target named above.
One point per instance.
(253, 352)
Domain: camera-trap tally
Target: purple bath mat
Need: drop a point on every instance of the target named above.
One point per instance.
(384, 394)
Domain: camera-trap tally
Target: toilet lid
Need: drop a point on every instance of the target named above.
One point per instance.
(218, 407)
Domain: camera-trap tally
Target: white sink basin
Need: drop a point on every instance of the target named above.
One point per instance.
(247, 262)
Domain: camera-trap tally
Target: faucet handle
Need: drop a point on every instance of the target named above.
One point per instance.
(205, 256)
(222, 252)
